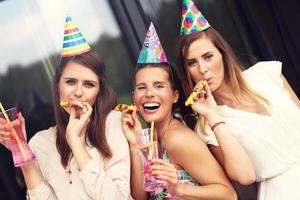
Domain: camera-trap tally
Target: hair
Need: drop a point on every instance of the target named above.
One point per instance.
(105, 102)
(232, 67)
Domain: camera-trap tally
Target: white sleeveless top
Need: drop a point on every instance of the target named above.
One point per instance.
(272, 142)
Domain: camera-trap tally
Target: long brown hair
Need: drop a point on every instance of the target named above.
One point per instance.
(105, 102)
(232, 67)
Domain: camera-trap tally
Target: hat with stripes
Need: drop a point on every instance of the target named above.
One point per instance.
(192, 19)
(74, 43)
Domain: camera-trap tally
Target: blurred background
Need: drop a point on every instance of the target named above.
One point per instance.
(32, 32)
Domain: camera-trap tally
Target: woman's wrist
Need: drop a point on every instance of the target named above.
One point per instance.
(133, 147)
(32, 175)
(74, 142)
(217, 124)
(28, 167)
(177, 191)
(213, 118)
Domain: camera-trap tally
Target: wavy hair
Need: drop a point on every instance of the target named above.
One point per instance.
(232, 67)
(105, 102)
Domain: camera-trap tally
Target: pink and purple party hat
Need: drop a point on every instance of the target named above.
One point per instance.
(74, 43)
(192, 19)
(152, 51)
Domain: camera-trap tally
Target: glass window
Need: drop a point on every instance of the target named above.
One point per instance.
(32, 38)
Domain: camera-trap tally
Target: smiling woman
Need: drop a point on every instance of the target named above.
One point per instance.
(155, 95)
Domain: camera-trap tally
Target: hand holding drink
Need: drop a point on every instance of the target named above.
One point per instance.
(149, 150)
(11, 128)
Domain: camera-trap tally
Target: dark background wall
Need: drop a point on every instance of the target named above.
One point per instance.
(274, 26)
(257, 29)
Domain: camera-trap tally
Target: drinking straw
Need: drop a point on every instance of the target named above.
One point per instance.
(151, 141)
(155, 145)
(142, 139)
(14, 133)
(202, 122)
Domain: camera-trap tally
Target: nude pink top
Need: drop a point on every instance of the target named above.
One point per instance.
(105, 179)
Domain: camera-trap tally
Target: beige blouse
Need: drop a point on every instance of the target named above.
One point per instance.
(105, 179)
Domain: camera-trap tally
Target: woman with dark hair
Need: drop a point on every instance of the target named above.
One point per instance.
(85, 156)
(187, 166)
(251, 114)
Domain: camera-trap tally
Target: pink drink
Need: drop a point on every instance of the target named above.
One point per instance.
(151, 183)
(21, 151)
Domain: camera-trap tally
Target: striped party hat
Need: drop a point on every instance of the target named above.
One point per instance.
(152, 51)
(74, 43)
(192, 19)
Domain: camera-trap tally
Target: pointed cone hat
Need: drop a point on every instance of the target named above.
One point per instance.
(74, 43)
(152, 51)
(192, 19)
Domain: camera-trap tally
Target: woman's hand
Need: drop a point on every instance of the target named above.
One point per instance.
(131, 126)
(80, 113)
(166, 172)
(205, 104)
(6, 130)
(5, 135)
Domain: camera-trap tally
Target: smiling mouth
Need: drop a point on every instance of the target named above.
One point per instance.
(151, 106)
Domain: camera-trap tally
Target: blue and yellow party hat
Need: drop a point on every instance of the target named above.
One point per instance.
(74, 43)
(152, 51)
(192, 19)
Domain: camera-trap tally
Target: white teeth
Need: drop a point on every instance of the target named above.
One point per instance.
(151, 104)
